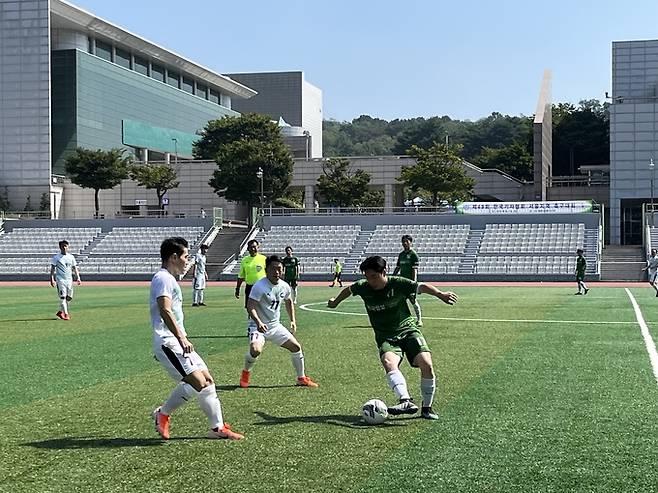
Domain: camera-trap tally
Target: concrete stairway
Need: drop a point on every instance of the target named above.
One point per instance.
(225, 245)
(623, 263)
(468, 259)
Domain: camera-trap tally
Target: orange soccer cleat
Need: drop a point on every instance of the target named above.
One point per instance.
(161, 422)
(306, 382)
(224, 433)
(244, 379)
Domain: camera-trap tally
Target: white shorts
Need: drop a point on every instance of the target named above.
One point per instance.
(652, 275)
(278, 334)
(199, 282)
(65, 289)
(170, 355)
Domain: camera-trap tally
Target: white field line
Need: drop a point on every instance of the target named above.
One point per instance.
(648, 341)
(455, 319)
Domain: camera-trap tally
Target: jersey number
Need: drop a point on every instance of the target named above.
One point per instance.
(275, 304)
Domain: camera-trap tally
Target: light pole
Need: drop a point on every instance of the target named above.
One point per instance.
(307, 134)
(175, 150)
(652, 167)
(259, 175)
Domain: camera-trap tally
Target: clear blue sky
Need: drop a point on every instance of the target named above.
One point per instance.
(394, 59)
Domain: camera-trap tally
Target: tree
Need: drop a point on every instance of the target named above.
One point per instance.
(439, 171)
(341, 187)
(97, 169)
(5, 205)
(28, 204)
(155, 177)
(513, 159)
(44, 204)
(240, 146)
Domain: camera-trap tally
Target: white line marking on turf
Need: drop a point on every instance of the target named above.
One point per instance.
(455, 319)
(648, 341)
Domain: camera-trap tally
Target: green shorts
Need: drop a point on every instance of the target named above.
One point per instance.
(409, 343)
(291, 282)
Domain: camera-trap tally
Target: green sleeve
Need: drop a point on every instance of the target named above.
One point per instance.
(357, 287)
(415, 260)
(404, 285)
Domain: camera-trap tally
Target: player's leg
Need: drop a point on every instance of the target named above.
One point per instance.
(201, 293)
(256, 344)
(652, 281)
(423, 361)
(417, 310)
(340, 281)
(282, 336)
(391, 356)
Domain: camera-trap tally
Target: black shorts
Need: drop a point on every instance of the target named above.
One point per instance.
(292, 282)
(247, 290)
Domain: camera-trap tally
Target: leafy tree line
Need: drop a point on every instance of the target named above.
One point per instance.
(580, 136)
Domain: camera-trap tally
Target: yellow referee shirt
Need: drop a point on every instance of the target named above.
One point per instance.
(252, 269)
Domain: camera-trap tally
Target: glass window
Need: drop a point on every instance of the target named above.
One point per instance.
(141, 66)
(173, 79)
(188, 85)
(90, 47)
(214, 96)
(158, 72)
(104, 50)
(122, 57)
(202, 91)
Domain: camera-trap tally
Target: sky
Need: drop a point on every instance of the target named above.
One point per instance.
(402, 59)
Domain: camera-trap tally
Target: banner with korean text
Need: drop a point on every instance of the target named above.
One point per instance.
(554, 207)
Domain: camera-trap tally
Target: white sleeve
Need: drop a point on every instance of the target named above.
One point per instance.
(53, 261)
(288, 292)
(162, 287)
(74, 263)
(256, 292)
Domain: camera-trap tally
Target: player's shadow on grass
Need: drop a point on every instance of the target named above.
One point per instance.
(29, 319)
(74, 443)
(217, 337)
(231, 388)
(345, 420)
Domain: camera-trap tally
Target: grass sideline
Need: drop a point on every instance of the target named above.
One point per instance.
(525, 406)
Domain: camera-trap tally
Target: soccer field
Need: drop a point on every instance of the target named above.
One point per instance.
(538, 390)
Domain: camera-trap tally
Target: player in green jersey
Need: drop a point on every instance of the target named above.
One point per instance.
(407, 267)
(581, 267)
(291, 272)
(396, 330)
(338, 269)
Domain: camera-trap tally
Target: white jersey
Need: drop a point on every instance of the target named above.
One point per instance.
(652, 264)
(164, 284)
(270, 297)
(200, 265)
(64, 264)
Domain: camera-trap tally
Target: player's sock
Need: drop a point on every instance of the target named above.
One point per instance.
(195, 298)
(294, 295)
(427, 389)
(181, 394)
(419, 314)
(200, 296)
(249, 361)
(399, 385)
(210, 405)
(64, 305)
(298, 362)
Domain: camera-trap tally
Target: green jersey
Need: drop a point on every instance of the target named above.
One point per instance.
(290, 265)
(387, 308)
(581, 266)
(338, 268)
(407, 262)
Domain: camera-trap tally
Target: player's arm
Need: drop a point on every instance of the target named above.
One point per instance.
(342, 296)
(396, 271)
(167, 314)
(193, 268)
(414, 273)
(52, 276)
(290, 308)
(251, 310)
(297, 270)
(241, 278)
(77, 274)
(448, 297)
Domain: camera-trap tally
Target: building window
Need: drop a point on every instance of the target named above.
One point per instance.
(214, 96)
(141, 66)
(158, 72)
(202, 91)
(188, 85)
(90, 46)
(104, 50)
(122, 57)
(173, 79)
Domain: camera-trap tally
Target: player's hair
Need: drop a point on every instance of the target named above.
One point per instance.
(272, 259)
(376, 263)
(204, 247)
(173, 245)
(407, 237)
(335, 260)
(288, 247)
(251, 242)
(580, 250)
(63, 243)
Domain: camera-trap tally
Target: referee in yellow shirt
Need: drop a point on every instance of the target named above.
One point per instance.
(252, 270)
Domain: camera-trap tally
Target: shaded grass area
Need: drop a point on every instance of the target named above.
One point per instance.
(524, 406)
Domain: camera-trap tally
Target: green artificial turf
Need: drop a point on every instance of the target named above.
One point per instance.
(526, 404)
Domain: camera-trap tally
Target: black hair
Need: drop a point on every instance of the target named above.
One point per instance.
(252, 241)
(204, 246)
(407, 237)
(272, 259)
(63, 243)
(172, 245)
(286, 249)
(376, 263)
(580, 250)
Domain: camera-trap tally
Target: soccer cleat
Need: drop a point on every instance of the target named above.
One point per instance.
(244, 379)
(578, 293)
(66, 316)
(224, 433)
(419, 323)
(161, 422)
(306, 382)
(60, 314)
(406, 406)
(195, 304)
(657, 294)
(586, 290)
(202, 304)
(427, 413)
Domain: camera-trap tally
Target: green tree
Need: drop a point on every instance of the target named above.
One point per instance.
(28, 204)
(44, 204)
(97, 169)
(341, 186)
(513, 159)
(5, 205)
(439, 171)
(155, 177)
(240, 146)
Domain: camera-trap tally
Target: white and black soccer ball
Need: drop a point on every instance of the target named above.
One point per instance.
(374, 412)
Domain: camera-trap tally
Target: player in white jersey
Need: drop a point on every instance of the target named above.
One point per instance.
(62, 267)
(264, 308)
(175, 352)
(652, 267)
(199, 276)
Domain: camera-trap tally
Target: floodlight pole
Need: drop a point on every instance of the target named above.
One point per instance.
(259, 175)
(652, 167)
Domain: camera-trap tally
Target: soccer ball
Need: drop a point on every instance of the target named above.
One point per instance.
(374, 412)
